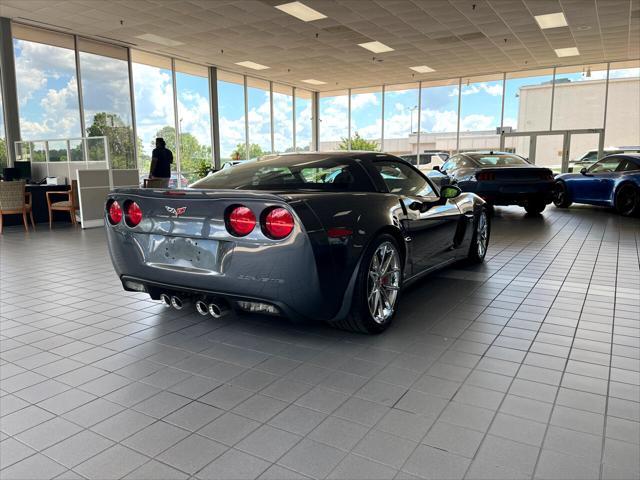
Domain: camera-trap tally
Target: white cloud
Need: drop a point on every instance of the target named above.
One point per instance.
(493, 89)
(477, 122)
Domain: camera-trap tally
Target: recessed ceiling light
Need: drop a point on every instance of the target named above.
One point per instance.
(313, 81)
(252, 65)
(301, 11)
(567, 52)
(167, 42)
(551, 20)
(376, 47)
(422, 69)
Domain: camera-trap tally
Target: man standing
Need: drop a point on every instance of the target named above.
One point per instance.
(161, 160)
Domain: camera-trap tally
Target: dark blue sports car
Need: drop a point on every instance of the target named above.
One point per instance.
(613, 181)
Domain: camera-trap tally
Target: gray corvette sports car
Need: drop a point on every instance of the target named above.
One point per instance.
(325, 236)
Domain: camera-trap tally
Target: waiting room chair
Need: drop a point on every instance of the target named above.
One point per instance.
(29, 206)
(69, 205)
(13, 201)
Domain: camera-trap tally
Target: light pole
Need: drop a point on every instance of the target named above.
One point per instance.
(411, 110)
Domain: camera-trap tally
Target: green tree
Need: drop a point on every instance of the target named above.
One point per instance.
(240, 153)
(3, 152)
(119, 137)
(359, 143)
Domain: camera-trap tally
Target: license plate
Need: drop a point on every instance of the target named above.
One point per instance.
(182, 252)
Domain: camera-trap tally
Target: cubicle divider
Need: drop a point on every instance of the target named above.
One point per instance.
(93, 188)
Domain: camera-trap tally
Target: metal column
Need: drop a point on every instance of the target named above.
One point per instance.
(9, 92)
(214, 117)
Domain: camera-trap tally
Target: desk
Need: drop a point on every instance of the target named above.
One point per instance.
(39, 205)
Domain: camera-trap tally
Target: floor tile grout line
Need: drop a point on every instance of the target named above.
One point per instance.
(541, 248)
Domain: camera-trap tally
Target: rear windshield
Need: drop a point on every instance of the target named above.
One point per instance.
(291, 173)
(499, 160)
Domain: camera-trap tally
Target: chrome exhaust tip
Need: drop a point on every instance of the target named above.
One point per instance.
(176, 302)
(217, 310)
(165, 299)
(202, 308)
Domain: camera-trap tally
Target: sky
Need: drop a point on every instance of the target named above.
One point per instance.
(48, 103)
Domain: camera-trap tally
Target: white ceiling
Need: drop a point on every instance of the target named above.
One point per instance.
(454, 37)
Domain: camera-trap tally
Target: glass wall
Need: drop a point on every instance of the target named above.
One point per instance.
(578, 98)
(304, 120)
(527, 101)
(480, 112)
(439, 116)
(366, 118)
(194, 119)
(623, 105)
(259, 108)
(153, 93)
(231, 118)
(104, 73)
(282, 118)
(334, 120)
(46, 84)
(400, 117)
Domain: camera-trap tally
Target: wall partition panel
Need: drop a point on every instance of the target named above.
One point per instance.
(400, 118)
(282, 118)
(153, 92)
(480, 112)
(259, 119)
(46, 82)
(105, 99)
(194, 119)
(231, 117)
(334, 120)
(304, 120)
(622, 127)
(366, 118)
(439, 115)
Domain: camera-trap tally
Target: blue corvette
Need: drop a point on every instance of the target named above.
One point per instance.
(613, 181)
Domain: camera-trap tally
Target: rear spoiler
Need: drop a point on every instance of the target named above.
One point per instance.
(200, 194)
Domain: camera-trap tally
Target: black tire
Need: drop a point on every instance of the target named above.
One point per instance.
(476, 254)
(627, 200)
(360, 318)
(535, 206)
(561, 197)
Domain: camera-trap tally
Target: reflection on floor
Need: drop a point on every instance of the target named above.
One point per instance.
(525, 367)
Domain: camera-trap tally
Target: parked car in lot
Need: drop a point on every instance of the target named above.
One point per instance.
(591, 156)
(501, 179)
(327, 236)
(613, 181)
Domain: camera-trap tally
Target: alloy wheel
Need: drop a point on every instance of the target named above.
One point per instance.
(482, 234)
(383, 282)
(626, 201)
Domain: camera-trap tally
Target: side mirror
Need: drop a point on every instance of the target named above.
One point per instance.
(583, 171)
(436, 168)
(449, 191)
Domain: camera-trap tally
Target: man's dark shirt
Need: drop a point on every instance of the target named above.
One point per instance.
(163, 164)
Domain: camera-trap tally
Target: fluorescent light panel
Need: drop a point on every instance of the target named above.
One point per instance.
(376, 47)
(313, 81)
(567, 52)
(551, 20)
(167, 42)
(422, 69)
(301, 11)
(252, 65)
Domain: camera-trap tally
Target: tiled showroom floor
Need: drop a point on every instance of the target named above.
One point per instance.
(526, 367)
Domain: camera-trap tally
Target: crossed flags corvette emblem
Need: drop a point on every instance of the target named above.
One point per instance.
(176, 212)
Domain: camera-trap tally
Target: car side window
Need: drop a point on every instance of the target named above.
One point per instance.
(450, 164)
(401, 179)
(628, 166)
(606, 165)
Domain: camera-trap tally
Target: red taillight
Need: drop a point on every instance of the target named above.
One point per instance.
(115, 213)
(241, 221)
(133, 214)
(485, 176)
(278, 223)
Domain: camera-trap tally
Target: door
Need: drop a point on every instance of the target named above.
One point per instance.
(597, 185)
(550, 151)
(430, 224)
